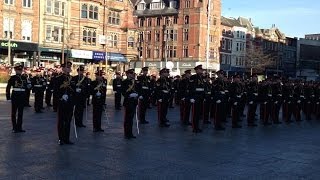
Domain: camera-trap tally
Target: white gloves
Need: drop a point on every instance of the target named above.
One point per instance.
(140, 97)
(218, 101)
(160, 100)
(65, 97)
(299, 101)
(192, 100)
(98, 94)
(251, 102)
(29, 86)
(236, 103)
(133, 95)
(183, 99)
(276, 102)
(78, 90)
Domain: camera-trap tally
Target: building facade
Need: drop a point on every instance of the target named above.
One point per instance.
(19, 24)
(289, 58)
(313, 37)
(177, 32)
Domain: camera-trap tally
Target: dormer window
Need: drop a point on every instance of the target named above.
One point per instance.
(173, 4)
(141, 6)
(156, 5)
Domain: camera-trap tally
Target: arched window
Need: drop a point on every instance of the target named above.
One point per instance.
(85, 36)
(84, 11)
(96, 12)
(186, 20)
(89, 37)
(91, 12)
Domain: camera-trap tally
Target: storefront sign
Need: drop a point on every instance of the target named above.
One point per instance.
(52, 50)
(187, 65)
(17, 45)
(81, 54)
(98, 56)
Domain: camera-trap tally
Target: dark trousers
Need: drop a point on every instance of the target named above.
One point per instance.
(163, 111)
(17, 106)
(97, 115)
(65, 112)
(130, 110)
(197, 110)
(252, 108)
(143, 105)
(117, 100)
(206, 109)
(275, 112)
(308, 109)
(55, 101)
(235, 114)
(219, 114)
(27, 97)
(297, 111)
(185, 108)
(78, 112)
(265, 112)
(38, 100)
(288, 108)
(48, 97)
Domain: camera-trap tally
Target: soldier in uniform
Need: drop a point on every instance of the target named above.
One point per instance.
(207, 100)
(28, 76)
(184, 92)
(55, 95)
(17, 97)
(130, 102)
(153, 99)
(176, 84)
(299, 100)
(288, 102)
(89, 84)
(235, 99)
(252, 99)
(143, 89)
(197, 91)
(309, 100)
(65, 91)
(219, 101)
(277, 99)
(81, 94)
(49, 88)
(116, 85)
(39, 85)
(163, 96)
(98, 89)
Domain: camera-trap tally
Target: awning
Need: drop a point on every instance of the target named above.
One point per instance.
(116, 57)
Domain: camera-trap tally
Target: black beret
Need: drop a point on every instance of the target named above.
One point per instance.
(66, 64)
(198, 67)
(145, 68)
(81, 68)
(130, 71)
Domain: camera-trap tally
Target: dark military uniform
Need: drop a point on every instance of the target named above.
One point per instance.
(65, 91)
(197, 91)
(81, 94)
(163, 96)
(207, 100)
(277, 101)
(130, 102)
(266, 102)
(143, 89)
(184, 93)
(235, 100)
(55, 95)
(28, 90)
(219, 103)
(309, 100)
(18, 96)
(252, 99)
(98, 91)
(288, 102)
(116, 84)
(299, 101)
(49, 90)
(39, 85)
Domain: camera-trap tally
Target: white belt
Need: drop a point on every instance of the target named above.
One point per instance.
(199, 89)
(256, 94)
(222, 92)
(18, 89)
(48, 82)
(208, 92)
(270, 95)
(37, 85)
(145, 87)
(290, 96)
(165, 91)
(280, 95)
(302, 96)
(226, 91)
(239, 96)
(118, 85)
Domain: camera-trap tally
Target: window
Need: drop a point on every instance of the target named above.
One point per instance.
(223, 43)
(230, 45)
(156, 5)
(175, 20)
(156, 52)
(148, 53)
(185, 34)
(131, 42)
(8, 27)
(238, 34)
(173, 4)
(167, 21)
(149, 22)
(27, 3)
(148, 36)
(48, 33)
(214, 21)
(185, 51)
(49, 6)
(89, 36)
(237, 47)
(173, 35)
(157, 36)
(55, 7)
(223, 59)
(54, 33)
(140, 37)
(26, 30)
(114, 40)
(158, 21)
(140, 52)
(90, 13)
(186, 20)
(187, 4)
(114, 18)
(141, 22)
(141, 6)
(9, 2)
(171, 51)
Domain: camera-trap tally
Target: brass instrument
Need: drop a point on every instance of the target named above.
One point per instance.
(66, 84)
(131, 87)
(98, 87)
(80, 82)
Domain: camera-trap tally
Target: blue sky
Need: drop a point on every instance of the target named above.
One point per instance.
(295, 18)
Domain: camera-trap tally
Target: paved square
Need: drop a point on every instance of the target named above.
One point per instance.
(286, 151)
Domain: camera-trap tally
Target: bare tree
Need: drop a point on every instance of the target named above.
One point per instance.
(257, 60)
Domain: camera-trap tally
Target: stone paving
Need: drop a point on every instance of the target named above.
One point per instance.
(286, 151)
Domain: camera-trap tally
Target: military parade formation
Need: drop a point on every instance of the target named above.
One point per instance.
(202, 98)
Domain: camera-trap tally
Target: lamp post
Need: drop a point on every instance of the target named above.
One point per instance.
(9, 38)
(208, 34)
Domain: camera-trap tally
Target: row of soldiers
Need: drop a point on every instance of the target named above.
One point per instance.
(200, 98)
(69, 95)
(205, 99)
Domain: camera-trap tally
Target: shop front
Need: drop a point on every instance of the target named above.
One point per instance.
(81, 57)
(51, 56)
(21, 52)
(116, 61)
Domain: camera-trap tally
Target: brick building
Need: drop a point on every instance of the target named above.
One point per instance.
(19, 23)
(176, 31)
